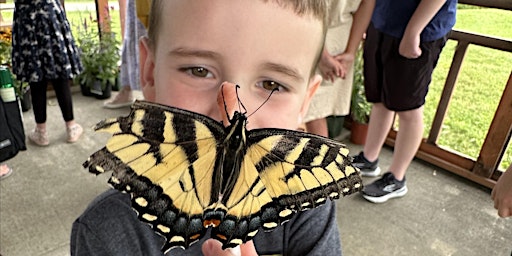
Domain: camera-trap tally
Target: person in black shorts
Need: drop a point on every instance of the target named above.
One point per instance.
(403, 44)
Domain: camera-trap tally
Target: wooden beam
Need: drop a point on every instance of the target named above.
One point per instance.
(500, 4)
(102, 14)
(448, 88)
(498, 135)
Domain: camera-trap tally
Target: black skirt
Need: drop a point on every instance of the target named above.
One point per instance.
(42, 44)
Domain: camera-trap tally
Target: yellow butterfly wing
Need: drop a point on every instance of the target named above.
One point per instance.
(284, 172)
(167, 171)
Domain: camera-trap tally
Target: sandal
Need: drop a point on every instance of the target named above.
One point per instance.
(5, 171)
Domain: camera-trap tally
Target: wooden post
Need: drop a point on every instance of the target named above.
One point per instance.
(102, 14)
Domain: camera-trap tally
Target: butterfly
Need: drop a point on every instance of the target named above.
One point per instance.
(187, 172)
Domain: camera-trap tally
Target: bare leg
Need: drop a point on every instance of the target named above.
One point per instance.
(318, 126)
(410, 133)
(381, 119)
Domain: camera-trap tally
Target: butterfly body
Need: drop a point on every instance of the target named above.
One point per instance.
(187, 172)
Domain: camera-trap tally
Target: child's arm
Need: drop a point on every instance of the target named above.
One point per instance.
(502, 194)
(362, 17)
(410, 44)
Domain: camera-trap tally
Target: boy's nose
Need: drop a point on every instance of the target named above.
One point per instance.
(227, 101)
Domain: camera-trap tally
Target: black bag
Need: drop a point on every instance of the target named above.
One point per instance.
(12, 134)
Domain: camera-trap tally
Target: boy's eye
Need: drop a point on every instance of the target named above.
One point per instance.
(270, 85)
(198, 72)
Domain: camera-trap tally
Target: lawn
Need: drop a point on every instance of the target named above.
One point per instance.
(483, 77)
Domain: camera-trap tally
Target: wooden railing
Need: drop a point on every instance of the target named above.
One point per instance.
(484, 170)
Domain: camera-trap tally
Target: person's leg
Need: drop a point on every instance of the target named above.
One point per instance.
(38, 92)
(318, 126)
(392, 184)
(63, 93)
(129, 61)
(408, 139)
(381, 119)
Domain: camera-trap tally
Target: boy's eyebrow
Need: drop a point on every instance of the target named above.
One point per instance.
(289, 71)
(185, 52)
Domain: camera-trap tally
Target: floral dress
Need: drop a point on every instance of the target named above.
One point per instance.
(333, 98)
(43, 47)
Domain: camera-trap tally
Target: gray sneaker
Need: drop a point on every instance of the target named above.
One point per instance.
(367, 168)
(384, 188)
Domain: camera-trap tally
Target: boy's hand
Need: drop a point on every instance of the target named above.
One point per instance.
(502, 194)
(410, 46)
(213, 247)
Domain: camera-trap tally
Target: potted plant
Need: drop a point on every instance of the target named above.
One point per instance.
(21, 88)
(99, 53)
(360, 108)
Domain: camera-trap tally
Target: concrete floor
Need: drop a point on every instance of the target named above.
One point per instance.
(442, 214)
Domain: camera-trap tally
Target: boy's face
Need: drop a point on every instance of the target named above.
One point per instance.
(259, 46)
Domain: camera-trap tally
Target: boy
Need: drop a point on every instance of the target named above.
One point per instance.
(192, 47)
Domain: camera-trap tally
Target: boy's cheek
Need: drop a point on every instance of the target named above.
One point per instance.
(149, 92)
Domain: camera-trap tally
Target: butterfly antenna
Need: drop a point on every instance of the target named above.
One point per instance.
(268, 98)
(240, 104)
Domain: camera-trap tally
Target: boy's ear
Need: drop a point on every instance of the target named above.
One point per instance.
(146, 68)
(314, 83)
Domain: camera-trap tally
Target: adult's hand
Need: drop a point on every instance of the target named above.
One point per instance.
(213, 247)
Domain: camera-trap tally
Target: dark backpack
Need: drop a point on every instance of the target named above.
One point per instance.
(12, 134)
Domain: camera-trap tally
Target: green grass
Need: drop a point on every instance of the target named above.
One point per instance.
(481, 82)
(483, 77)
(76, 18)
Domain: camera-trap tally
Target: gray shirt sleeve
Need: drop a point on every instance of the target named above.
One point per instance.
(109, 226)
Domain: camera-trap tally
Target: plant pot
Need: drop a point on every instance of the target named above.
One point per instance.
(99, 92)
(358, 133)
(26, 101)
(86, 91)
(335, 125)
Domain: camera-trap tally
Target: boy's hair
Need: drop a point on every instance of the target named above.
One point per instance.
(316, 8)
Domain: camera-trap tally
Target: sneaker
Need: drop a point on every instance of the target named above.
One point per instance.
(39, 137)
(74, 132)
(367, 168)
(384, 188)
(123, 99)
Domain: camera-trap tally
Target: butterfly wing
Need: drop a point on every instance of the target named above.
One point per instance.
(167, 171)
(283, 172)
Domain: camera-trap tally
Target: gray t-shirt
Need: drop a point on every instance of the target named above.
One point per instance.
(109, 226)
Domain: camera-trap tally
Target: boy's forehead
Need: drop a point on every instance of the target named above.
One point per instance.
(213, 25)
(202, 9)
